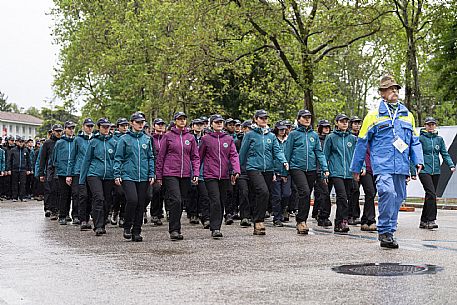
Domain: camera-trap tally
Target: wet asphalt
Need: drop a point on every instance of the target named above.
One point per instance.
(44, 263)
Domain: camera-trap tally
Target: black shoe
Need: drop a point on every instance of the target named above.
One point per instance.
(206, 224)
(76, 221)
(62, 221)
(54, 216)
(175, 235)
(68, 219)
(114, 219)
(341, 227)
(85, 226)
(324, 222)
(278, 223)
(216, 234)
(145, 218)
(137, 238)
(121, 222)
(156, 221)
(423, 224)
(245, 223)
(351, 221)
(432, 225)
(194, 220)
(387, 241)
(14, 200)
(236, 217)
(47, 213)
(127, 233)
(228, 219)
(103, 231)
(267, 215)
(98, 231)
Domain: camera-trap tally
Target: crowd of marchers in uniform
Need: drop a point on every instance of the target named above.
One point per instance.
(224, 170)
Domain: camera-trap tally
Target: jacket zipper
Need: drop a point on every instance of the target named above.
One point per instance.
(139, 160)
(182, 154)
(263, 143)
(104, 150)
(344, 158)
(433, 157)
(307, 149)
(68, 162)
(220, 161)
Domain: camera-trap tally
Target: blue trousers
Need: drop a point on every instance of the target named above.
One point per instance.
(392, 192)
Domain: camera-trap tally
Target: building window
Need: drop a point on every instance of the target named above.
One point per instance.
(11, 128)
(17, 130)
(23, 130)
(30, 130)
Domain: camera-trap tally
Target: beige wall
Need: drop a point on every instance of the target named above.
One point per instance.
(18, 129)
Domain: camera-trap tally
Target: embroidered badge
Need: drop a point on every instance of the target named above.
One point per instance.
(311, 140)
(268, 141)
(187, 142)
(225, 145)
(437, 147)
(144, 146)
(110, 151)
(349, 144)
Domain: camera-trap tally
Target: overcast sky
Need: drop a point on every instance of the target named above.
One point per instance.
(27, 55)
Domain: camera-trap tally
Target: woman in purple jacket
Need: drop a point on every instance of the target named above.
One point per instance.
(177, 164)
(219, 158)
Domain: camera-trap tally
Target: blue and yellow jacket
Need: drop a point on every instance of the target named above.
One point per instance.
(338, 150)
(82, 141)
(99, 158)
(259, 149)
(134, 158)
(432, 146)
(61, 156)
(378, 132)
(303, 150)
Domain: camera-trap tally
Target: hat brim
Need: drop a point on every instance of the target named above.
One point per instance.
(281, 127)
(262, 116)
(342, 118)
(58, 129)
(105, 124)
(219, 120)
(139, 119)
(181, 116)
(390, 85)
(89, 124)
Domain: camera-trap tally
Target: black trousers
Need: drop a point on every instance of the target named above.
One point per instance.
(135, 193)
(119, 201)
(75, 197)
(198, 203)
(322, 203)
(64, 197)
(38, 187)
(157, 200)
(369, 188)
(293, 202)
(101, 199)
(261, 183)
(29, 185)
(244, 197)
(51, 194)
(18, 181)
(231, 205)
(342, 188)
(84, 202)
(304, 182)
(429, 183)
(177, 189)
(354, 197)
(217, 193)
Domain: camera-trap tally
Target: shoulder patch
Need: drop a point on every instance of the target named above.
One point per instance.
(187, 142)
(225, 145)
(349, 144)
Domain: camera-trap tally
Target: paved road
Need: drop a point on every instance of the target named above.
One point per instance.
(44, 263)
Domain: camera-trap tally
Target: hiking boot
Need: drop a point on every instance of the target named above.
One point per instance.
(194, 220)
(341, 227)
(285, 216)
(127, 233)
(85, 226)
(369, 228)
(206, 224)
(98, 231)
(121, 222)
(423, 225)
(432, 224)
(75, 221)
(228, 219)
(245, 223)
(47, 213)
(302, 228)
(278, 223)
(259, 228)
(114, 218)
(175, 235)
(216, 234)
(62, 221)
(387, 241)
(324, 222)
(137, 238)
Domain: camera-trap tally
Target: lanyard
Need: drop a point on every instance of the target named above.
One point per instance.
(390, 115)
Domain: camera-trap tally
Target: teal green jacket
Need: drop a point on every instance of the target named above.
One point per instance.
(303, 150)
(432, 146)
(259, 149)
(2, 160)
(279, 167)
(82, 141)
(338, 150)
(99, 158)
(134, 158)
(61, 156)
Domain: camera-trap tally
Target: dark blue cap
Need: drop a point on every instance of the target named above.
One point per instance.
(355, 119)
(159, 121)
(341, 116)
(323, 123)
(204, 119)
(237, 122)
(88, 121)
(57, 127)
(304, 112)
(217, 118)
(229, 121)
(261, 114)
(247, 123)
(69, 124)
(121, 121)
(179, 114)
(137, 116)
(430, 120)
(103, 122)
(280, 125)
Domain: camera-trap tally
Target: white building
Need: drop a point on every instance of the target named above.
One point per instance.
(19, 124)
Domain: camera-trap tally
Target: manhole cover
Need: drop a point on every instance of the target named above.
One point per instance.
(386, 269)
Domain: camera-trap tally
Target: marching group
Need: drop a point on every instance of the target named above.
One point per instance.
(220, 170)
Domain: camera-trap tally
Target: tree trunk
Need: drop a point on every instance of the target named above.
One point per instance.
(307, 83)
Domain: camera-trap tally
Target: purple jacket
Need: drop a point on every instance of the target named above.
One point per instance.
(178, 155)
(157, 139)
(219, 156)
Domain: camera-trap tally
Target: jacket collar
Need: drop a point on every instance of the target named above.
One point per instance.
(402, 110)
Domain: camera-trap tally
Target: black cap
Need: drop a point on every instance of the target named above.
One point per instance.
(57, 127)
(158, 121)
(69, 124)
(247, 123)
(204, 119)
(19, 138)
(197, 121)
(89, 122)
(430, 120)
(355, 119)
(304, 112)
(323, 123)
(103, 122)
(146, 125)
(287, 123)
(340, 117)
(260, 114)
(216, 118)
(137, 117)
(280, 125)
(237, 122)
(179, 114)
(229, 121)
(121, 121)
(30, 140)
(142, 114)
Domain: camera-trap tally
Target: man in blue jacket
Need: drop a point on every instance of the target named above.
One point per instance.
(389, 131)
